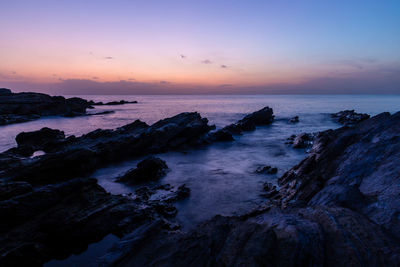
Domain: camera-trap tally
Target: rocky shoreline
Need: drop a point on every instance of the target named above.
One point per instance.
(23, 107)
(339, 206)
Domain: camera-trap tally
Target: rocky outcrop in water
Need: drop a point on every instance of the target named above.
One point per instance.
(349, 117)
(77, 156)
(267, 170)
(295, 119)
(338, 207)
(261, 117)
(112, 103)
(22, 107)
(148, 169)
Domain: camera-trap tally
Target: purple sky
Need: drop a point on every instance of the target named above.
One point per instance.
(200, 47)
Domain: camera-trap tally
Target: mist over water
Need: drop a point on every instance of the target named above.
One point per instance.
(221, 176)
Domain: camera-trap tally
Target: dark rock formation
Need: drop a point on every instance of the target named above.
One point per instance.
(248, 123)
(54, 221)
(349, 117)
(267, 169)
(303, 140)
(22, 107)
(295, 119)
(338, 207)
(112, 103)
(148, 169)
(78, 156)
(40, 140)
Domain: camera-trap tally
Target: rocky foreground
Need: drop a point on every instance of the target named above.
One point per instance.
(50, 209)
(338, 207)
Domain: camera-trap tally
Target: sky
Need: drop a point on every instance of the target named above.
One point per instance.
(201, 47)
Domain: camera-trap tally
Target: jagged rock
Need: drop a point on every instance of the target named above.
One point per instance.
(112, 103)
(79, 156)
(338, 207)
(54, 221)
(148, 169)
(303, 140)
(22, 107)
(349, 117)
(294, 119)
(270, 190)
(248, 123)
(40, 140)
(267, 170)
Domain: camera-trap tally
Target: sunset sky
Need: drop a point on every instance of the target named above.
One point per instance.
(162, 47)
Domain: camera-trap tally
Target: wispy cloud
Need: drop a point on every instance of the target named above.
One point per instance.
(183, 56)
(108, 58)
(206, 61)
(224, 66)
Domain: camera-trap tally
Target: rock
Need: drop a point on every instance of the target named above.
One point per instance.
(248, 123)
(40, 140)
(349, 117)
(11, 189)
(112, 103)
(338, 207)
(22, 107)
(303, 140)
(222, 136)
(182, 192)
(267, 169)
(270, 189)
(82, 155)
(5, 91)
(54, 221)
(294, 119)
(148, 169)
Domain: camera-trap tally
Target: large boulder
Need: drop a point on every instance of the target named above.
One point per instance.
(261, 117)
(349, 117)
(151, 168)
(41, 139)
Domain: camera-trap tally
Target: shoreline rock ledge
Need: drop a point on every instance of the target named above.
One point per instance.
(23, 107)
(340, 206)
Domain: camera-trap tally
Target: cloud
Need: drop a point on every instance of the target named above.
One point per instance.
(95, 78)
(207, 61)
(224, 66)
(108, 58)
(183, 56)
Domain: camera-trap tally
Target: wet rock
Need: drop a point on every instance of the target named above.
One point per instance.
(349, 117)
(22, 107)
(338, 207)
(267, 170)
(303, 140)
(270, 190)
(40, 140)
(54, 221)
(148, 169)
(295, 119)
(222, 136)
(79, 156)
(248, 123)
(112, 103)
(11, 189)
(182, 192)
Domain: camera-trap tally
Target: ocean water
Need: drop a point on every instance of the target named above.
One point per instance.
(221, 176)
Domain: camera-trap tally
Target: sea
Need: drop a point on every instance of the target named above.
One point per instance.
(221, 176)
